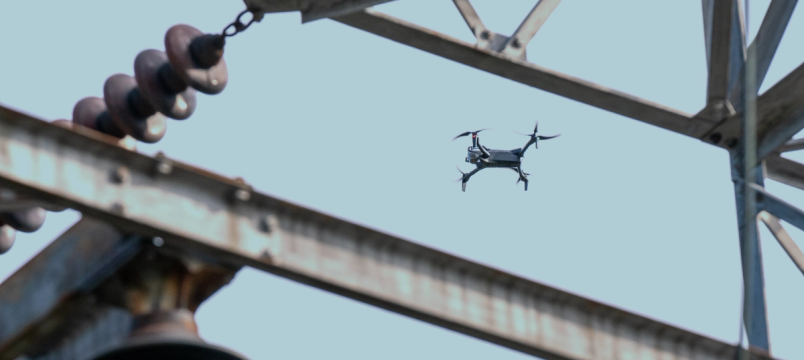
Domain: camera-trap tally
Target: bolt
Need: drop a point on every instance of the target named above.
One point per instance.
(163, 165)
(265, 224)
(266, 256)
(732, 143)
(118, 208)
(121, 175)
(242, 195)
(715, 138)
(164, 168)
(158, 241)
(485, 35)
(515, 43)
(760, 197)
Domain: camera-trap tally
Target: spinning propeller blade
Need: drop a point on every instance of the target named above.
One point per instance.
(468, 132)
(462, 174)
(534, 139)
(519, 178)
(547, 137)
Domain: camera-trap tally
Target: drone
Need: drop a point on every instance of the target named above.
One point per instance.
(484, 157)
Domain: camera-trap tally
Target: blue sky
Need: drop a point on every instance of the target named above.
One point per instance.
(358, 126)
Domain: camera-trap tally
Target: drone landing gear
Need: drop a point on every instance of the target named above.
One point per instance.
(522, 177)
(466, 177)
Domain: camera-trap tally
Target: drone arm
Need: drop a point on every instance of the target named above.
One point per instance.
(482, 149)
(534, 140)
(466, 177)
(525, 148)
(469, 174)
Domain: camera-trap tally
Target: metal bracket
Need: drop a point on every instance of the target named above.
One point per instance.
(512, 46)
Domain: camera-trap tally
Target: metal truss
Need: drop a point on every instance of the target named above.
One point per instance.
(779, 112)
(225, 222)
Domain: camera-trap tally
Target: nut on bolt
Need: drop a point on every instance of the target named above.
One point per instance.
(121, 175)
(163, 166)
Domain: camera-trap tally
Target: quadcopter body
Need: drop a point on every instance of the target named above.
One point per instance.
(483, 157)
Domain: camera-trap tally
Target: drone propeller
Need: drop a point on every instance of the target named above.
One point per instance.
(473, 133)
(463, 174)
(534, 139)
(518, 179)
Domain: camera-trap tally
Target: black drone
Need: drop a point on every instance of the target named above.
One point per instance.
(484, 157)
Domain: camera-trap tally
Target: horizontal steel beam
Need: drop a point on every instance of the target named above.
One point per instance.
(526, 73)
(313, 9)
(45, 295)
(208, 215)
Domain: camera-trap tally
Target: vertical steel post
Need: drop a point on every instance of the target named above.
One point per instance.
(754, 308)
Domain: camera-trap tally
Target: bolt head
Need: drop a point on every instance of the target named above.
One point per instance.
(242, 195)
(715, 138)
(265, 224)
(158, 241)
(164, 168)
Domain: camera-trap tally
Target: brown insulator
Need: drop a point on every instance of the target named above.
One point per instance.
(26, 220)
(130, 110)
(7, 237)
(167, 335)
(91, 112)
(162, 86)
(197, 58)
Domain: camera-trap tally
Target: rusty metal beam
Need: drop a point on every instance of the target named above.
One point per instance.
(313, 9)
(526, 73)
(207, 215)
(47, 293)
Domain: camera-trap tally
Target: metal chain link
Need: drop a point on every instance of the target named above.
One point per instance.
(238, 26)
